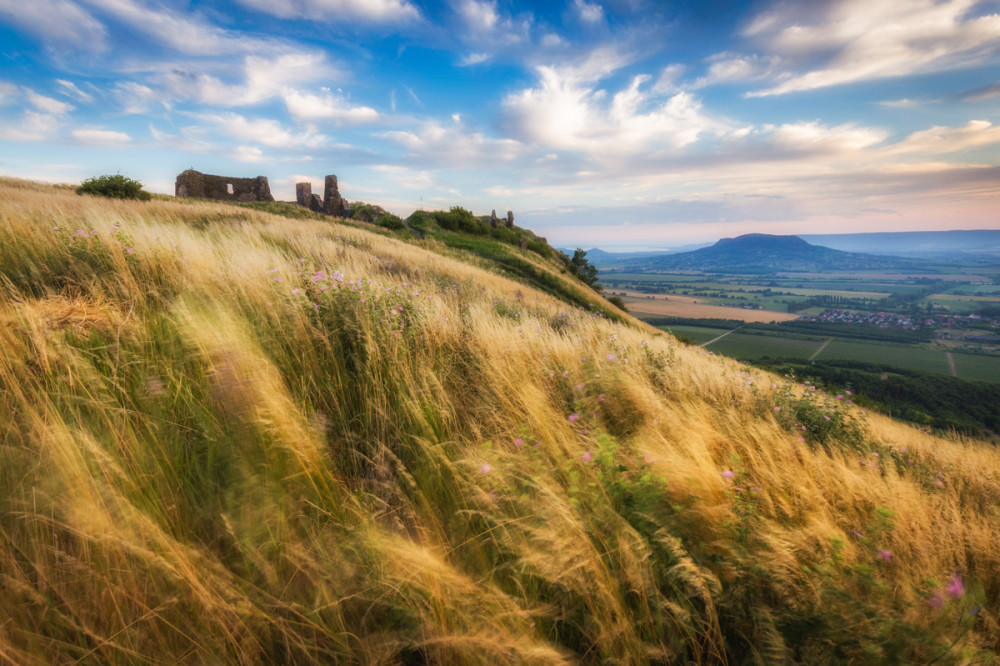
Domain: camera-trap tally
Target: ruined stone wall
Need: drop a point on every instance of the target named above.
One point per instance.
(193, 183)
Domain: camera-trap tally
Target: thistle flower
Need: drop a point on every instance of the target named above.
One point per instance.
(518, 442)
(884, 555)
(486, 468)
(573, 417)
(587, 456)
(728, 474)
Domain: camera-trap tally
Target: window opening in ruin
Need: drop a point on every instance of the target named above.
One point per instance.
(229, 188)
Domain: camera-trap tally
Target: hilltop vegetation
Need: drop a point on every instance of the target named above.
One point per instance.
(232, 435)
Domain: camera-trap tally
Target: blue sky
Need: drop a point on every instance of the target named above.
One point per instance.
(624, 124)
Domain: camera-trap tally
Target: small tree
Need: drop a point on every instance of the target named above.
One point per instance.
(115, 187)
(583, 269)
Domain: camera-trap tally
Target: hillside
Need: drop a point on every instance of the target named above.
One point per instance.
(765, 253)
(235, 436)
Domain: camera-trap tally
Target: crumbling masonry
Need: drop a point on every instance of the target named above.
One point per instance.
(193, 183)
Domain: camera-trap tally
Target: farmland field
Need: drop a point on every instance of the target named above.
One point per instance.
(916, 358)
(675, 308)
(978, 368)
(748, 346)
(696, 334)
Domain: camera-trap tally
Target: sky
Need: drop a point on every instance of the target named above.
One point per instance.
(627, 124)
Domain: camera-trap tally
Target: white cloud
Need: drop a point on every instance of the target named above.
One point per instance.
(874, 39)
(551, 39)
(305, 106)
(263, 78)
(136, 98)
(411, 179)
(474, 59)
(249, 154)
(588, 13)
(454, 145)
(730, 67)
(58, 23)
(98, 137)
(380, 11)
(940, 140)
(483, 22)
(263, 131)
(186, 33)
(567, 111)
(47, 104)
(72, 90)
(34, 126)
(667, 81)
(815, 138)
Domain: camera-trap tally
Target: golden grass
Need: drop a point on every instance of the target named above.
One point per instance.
(199, 465)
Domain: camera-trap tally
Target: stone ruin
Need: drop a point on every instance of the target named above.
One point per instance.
(331, 203)
(193, 183)
(495, 222)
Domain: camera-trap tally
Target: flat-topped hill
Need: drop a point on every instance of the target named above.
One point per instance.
(235, 436)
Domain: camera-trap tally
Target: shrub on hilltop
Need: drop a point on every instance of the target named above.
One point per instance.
(114, 186)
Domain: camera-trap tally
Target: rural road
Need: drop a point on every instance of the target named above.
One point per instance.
(821, 348)
(705, 344)
(951, 364)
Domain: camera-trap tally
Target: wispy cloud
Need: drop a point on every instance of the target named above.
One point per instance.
(327, 106)
(59, 24)
(379, 11)
(99, 137)
(861, 40)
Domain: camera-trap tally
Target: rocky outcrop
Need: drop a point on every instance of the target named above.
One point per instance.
(510, 218)
(493, 219)
(193, 183)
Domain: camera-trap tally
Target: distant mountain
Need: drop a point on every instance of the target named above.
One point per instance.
(764, 253)
(604, 259)
(926, 244)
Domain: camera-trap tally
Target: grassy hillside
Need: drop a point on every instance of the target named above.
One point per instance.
(231, 436)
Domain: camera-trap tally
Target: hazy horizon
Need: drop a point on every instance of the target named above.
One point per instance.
(613, 125)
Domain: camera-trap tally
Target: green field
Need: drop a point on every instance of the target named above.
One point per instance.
(696, 334)
(978, 368)
(748, 346)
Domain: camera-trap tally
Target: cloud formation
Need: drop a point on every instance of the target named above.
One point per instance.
(861, 40)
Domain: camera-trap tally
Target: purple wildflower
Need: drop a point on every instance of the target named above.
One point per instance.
(884, 555)
(518, 442)
(587, 456)
(728, 474)
(486, 468)
(955, 587)
(573, 417)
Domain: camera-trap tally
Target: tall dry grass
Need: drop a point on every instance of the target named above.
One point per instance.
(233, 437)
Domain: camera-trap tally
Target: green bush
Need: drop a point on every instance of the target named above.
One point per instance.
(618, 303)
(391, 221)
(115, 187)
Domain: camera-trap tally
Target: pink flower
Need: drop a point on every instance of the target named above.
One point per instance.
(131, 250)
(81, 232)
(955, 588)
(573, 417)
(518, 442)
(611, 357)
(840, 397)
(587, 456)
(600, 398)
(777, 409)
(728, 474)
(486, 468)
(884, 555)
(296, 291)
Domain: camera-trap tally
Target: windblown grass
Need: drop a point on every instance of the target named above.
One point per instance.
(231, 436)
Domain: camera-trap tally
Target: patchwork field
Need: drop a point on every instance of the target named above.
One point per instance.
(676, 308)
